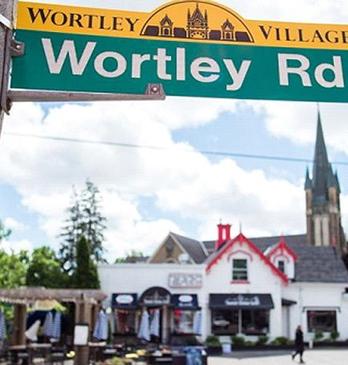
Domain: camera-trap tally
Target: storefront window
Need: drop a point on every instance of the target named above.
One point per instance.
(255, 322)
(323, 321)
(240, 269)
(183, 321)
(247, 322)
(125, 321)
(225, 322)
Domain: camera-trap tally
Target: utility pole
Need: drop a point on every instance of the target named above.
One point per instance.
(7, 9)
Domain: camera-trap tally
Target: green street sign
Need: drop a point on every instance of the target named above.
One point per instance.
(225, 63)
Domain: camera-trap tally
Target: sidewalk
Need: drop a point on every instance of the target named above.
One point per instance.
(311, 357)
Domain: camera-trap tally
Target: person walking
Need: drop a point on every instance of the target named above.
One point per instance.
(299, 344)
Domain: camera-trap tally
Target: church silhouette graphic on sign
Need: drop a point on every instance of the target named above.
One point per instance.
(197, 27)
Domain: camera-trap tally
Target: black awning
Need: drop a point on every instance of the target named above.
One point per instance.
(124, 300)
(185, 301)
(288, 302)
(241, 301)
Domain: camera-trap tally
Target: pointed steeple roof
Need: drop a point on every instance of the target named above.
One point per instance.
(321, 168)
(308, 181)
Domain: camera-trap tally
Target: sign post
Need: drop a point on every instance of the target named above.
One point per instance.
(6, 24)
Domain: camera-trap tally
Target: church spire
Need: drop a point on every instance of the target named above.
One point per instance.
(321, 167)
(323, 212)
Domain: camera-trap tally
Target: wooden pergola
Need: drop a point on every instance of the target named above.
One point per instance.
(86, 301)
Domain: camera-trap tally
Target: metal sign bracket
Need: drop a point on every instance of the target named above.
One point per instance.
(152, 92)
(16, 48)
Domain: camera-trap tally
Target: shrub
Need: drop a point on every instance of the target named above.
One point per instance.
(249, 343)
(238, 340)
(280, 341)
(213, 341)
(116, 361)
(318, 335)
(334, 335)
(262, 340)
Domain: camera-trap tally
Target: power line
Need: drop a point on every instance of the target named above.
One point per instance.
(163, 148)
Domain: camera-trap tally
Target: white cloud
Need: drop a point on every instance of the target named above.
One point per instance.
(297, 121)
(13, 224)
(16, 245)
(186, 184)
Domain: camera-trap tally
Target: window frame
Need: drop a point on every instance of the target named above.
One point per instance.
(284, 266)
(312, 329)
(237, 271)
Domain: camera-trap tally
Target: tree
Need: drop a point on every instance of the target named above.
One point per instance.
(44, 269)
(86, 275)
(70, 234)
(13, 270)
(84, 220)
(93, 222)
(131, 257)
(4, 232)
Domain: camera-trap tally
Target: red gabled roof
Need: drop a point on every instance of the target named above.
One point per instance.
(242, 239)
(282, 247)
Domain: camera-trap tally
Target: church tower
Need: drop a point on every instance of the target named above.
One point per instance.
(323, 199)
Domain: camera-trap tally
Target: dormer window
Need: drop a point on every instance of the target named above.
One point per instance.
(240, 270)
(281, 266)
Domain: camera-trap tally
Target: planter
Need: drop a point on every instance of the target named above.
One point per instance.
(213, 350)
(262, 347)
(340, 344)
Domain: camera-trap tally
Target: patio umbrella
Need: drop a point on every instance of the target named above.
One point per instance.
(155, 324)
(101, 327)
(48, 325)
(57, 325)
(144, 328)
(2, 326)
(197, 323)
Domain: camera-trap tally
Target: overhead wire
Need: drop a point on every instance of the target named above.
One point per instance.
(164, 148)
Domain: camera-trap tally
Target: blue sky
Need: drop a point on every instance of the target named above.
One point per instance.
(145, 194)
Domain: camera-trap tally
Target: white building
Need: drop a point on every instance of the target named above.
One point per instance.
(262, 286)
(243, 287)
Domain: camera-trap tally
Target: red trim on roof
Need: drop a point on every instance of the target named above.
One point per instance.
(282, 247)
(242, 239)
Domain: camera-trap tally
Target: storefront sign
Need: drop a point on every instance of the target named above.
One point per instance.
(185, 301)
(123, 300)
(193, 48)
(241, 300)
(183, 280)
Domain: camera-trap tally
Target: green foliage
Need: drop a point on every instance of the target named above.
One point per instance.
(131, 257)
(116, 361)
(249, 343)
(262, 340)
(86, 275)
(84, 219)
(318, 335)
(280, 341)
(13, 270)
(44, 269)
(212, 341)
(334, 335)
(4, 232)
(238, 340)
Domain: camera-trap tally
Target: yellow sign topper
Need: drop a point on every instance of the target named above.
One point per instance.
(187, 21)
